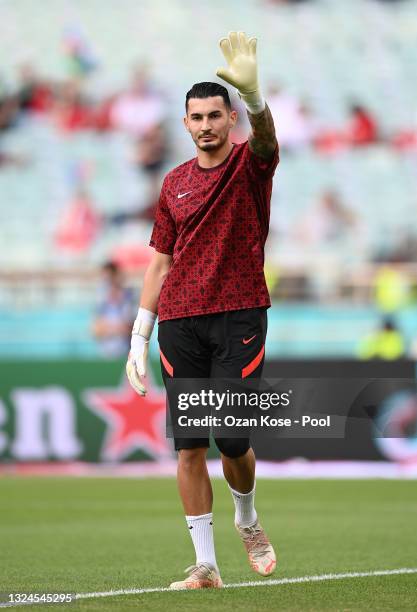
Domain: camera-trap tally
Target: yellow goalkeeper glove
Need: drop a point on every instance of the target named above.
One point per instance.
(242, 70)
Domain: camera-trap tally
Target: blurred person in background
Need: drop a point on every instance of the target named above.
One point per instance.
(71, 110)
(362, 128)
(149, 156)
(9, 109)
(151, 152)
(387, 343)
(140, 108)
(392, 288)
(35, 94)
(115, 313)
(141, 111)
(327, 220)
(80, 57)
(9, 116)
(296, 127)
(79, 224)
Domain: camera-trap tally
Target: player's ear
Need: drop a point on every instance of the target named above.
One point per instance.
(232, 118)
(186, 123)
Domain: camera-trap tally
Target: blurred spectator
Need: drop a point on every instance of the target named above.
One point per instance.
(387, 343)
(101, 119)
(35, 95)
(392, 288)
(295, 126)
(140, 109)
(362, 128)
(151, 155)
(78, 51)
(79, 225)
(9, 109)
(71, 111)
(327, 220)
(9, 112)
(115, 313)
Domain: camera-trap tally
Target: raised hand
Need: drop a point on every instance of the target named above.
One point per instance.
(240, 55)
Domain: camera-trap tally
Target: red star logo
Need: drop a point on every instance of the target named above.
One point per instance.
(134, 422)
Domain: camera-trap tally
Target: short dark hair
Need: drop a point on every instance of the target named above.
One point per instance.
(207, 90)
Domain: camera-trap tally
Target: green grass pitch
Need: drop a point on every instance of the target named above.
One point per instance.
(85, 535)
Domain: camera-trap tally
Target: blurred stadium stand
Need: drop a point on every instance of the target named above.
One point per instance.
(327, 53)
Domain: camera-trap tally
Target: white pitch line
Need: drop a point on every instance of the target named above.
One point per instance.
(236, 585)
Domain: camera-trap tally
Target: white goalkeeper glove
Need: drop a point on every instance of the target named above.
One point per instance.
(242, 70)
(136, 362)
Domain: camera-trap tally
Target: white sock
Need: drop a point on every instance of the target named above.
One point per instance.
(201, 532)
(245, 513)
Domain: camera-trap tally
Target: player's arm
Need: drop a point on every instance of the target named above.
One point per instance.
(262, 140)
(155, 275)
(145, 320)
(242, 73)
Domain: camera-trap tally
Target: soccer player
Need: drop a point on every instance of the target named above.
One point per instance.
(206, 285)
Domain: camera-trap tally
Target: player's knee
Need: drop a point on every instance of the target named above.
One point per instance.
(190, 457)
(232, 448)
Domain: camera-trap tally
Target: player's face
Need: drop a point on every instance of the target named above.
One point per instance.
(209, 122)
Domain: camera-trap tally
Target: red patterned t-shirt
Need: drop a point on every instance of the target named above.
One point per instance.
(214, 222)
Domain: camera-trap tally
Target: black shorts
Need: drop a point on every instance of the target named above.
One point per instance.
(221, 345)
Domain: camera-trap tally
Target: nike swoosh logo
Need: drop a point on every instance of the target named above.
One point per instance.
(246, 341)
(181, 195)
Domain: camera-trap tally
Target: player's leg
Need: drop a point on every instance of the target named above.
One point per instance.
(239, 471)
(193, 481)
(238, 460)
(240, 354)
(239, 338)
(182, 356)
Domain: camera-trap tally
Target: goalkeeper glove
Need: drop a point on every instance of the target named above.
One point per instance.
(136, 362)
(242, 70)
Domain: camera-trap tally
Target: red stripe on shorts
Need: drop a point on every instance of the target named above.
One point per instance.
(254, 363)
(166, 363)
